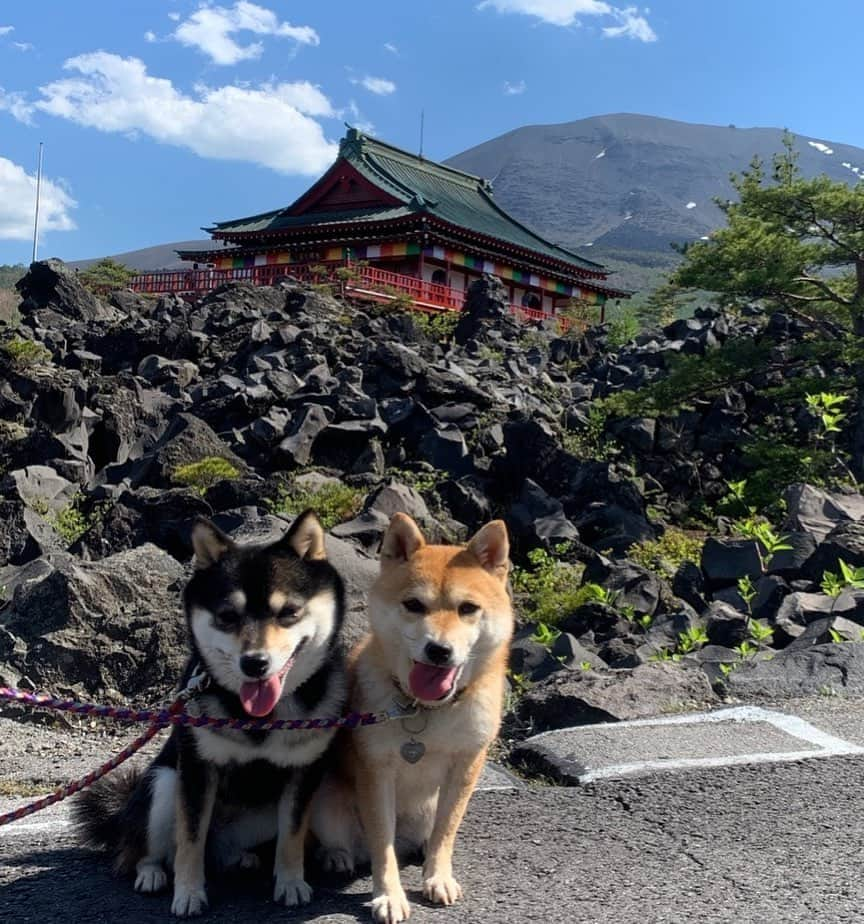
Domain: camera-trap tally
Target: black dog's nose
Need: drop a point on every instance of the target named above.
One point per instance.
(438, 654)
(254, 665)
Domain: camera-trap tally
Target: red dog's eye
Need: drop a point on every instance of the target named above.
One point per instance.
(413, 605)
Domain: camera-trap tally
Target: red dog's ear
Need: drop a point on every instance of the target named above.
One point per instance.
(491, 547)
(209, 543)
(402, 540)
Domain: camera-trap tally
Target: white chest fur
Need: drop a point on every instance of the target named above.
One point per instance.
(283, 748)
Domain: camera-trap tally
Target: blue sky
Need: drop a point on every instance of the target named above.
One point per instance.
(159, 116)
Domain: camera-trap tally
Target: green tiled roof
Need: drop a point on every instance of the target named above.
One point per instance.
(422, 186)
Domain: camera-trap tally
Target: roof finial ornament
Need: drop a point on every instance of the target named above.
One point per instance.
(422, 122)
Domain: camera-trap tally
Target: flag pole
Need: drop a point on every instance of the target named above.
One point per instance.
(38, 193)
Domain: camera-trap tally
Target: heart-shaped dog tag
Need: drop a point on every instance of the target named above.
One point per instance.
(412, 751)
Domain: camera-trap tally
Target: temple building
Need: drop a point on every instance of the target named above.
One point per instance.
(405, 218)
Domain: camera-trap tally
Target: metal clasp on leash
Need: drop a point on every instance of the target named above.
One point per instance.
(403, 707)
(197, 683)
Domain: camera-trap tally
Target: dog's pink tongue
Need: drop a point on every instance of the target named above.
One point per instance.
(259, 697)
(430, 682)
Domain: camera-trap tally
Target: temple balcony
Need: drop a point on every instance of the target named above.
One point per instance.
(354, 281)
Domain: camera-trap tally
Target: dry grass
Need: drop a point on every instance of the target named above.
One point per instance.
(9, 302)
(23, 788)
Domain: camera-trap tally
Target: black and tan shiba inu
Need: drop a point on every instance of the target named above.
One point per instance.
(441, 621)
(262, 623)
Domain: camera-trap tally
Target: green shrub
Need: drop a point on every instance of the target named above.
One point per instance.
(106, 276)
(622, 330)
(591, 442)
(666, 554)
(550, 588)
(204, 474)
(71, 522)
(437, 326)
(333, 503)
(25, 353)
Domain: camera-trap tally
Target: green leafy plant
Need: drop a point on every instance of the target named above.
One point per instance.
(761, 633)
(545, 635)
(586, 665)
(550, 586)
(665, 654)
(849, 579)
(202, 475)
(692, 639)
(437, 325)
(25, 353)
(332, 502)
(665, 555)
(747, 591)
(763, 532)
(746, 649)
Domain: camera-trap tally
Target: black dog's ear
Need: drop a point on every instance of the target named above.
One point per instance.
(209, 543)
(306, 537)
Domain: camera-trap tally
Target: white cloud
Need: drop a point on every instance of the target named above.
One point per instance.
(377, 85)
(17, 105)
(5, 30)
(23, 46)
(514, 89)
(556, 12)
(389, 46)
(632, 25)
(691, 205)
(18, 199)
(149, 36)
(272, 125)
(570, 12)
(210, 28)
(174, 17)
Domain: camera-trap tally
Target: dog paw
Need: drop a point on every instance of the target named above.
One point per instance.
(150, 877)
(291, 891)
(336, 860)
(443, 890)
(390, 909)
(188, 903)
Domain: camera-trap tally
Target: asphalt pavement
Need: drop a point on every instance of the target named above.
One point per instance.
(763, 841)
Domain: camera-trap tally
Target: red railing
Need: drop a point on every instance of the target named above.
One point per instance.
(365, 282)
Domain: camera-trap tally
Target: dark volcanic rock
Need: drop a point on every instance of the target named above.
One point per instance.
(817, 512)
(832, 668)
(846, 542)
(111, 626)
(486, 306)
(583, 697)
(724, 561)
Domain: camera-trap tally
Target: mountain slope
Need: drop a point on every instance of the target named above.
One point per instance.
(627, 186)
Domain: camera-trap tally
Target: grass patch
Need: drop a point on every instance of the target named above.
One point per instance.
(665, 555)
(550, 587)
(334, 502)
(23, 788)
(25, 353)
(202, 475)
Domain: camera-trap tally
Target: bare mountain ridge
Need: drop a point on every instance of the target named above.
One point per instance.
(632, 182)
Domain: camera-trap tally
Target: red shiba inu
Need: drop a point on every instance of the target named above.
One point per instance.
(440, 625)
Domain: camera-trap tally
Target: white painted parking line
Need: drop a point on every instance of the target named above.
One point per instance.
(817, 743)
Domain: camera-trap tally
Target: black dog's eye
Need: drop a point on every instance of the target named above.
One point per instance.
(413, 605)
(468, 609)
(228, 617)
(288, 615)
